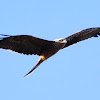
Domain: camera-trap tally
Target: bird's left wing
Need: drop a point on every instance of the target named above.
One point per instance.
(25, 44)
(82, 35)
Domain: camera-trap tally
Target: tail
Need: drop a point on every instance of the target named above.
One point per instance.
(38, 63)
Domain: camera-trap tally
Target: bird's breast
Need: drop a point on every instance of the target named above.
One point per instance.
(51, 50)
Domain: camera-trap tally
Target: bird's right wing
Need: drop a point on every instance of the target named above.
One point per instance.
(82, 35)
(24, 44)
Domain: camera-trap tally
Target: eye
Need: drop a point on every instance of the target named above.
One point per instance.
(61, 40)
(64, 41)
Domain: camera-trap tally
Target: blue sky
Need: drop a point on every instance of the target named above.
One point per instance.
(71, 74)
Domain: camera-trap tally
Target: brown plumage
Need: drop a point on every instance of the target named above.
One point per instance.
(31, 45)
(82, 35)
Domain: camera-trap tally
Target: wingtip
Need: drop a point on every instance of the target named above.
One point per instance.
(38, 63)
(26, 75)
(4, 35)
(29, 72)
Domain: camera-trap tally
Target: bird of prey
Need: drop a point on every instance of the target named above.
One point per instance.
(26, 44)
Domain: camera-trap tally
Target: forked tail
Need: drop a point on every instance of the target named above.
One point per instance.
(38, 63)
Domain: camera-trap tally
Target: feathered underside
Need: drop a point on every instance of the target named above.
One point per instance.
(25, 44)
(82, 35)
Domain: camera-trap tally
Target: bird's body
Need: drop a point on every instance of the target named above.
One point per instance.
(31, 45)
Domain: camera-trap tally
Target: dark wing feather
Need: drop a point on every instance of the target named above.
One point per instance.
(25, 44)
(82, 35)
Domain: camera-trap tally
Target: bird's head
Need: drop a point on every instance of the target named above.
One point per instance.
(61, 40)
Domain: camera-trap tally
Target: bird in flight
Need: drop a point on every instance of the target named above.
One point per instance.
(30, 45)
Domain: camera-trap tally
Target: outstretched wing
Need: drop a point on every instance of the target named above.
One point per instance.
(82, 35)
(24, 44)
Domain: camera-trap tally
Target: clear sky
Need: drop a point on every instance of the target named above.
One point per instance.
(71, 74)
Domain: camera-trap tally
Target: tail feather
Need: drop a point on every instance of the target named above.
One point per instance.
(38, 63)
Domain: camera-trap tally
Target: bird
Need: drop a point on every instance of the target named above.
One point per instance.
(29, 45)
